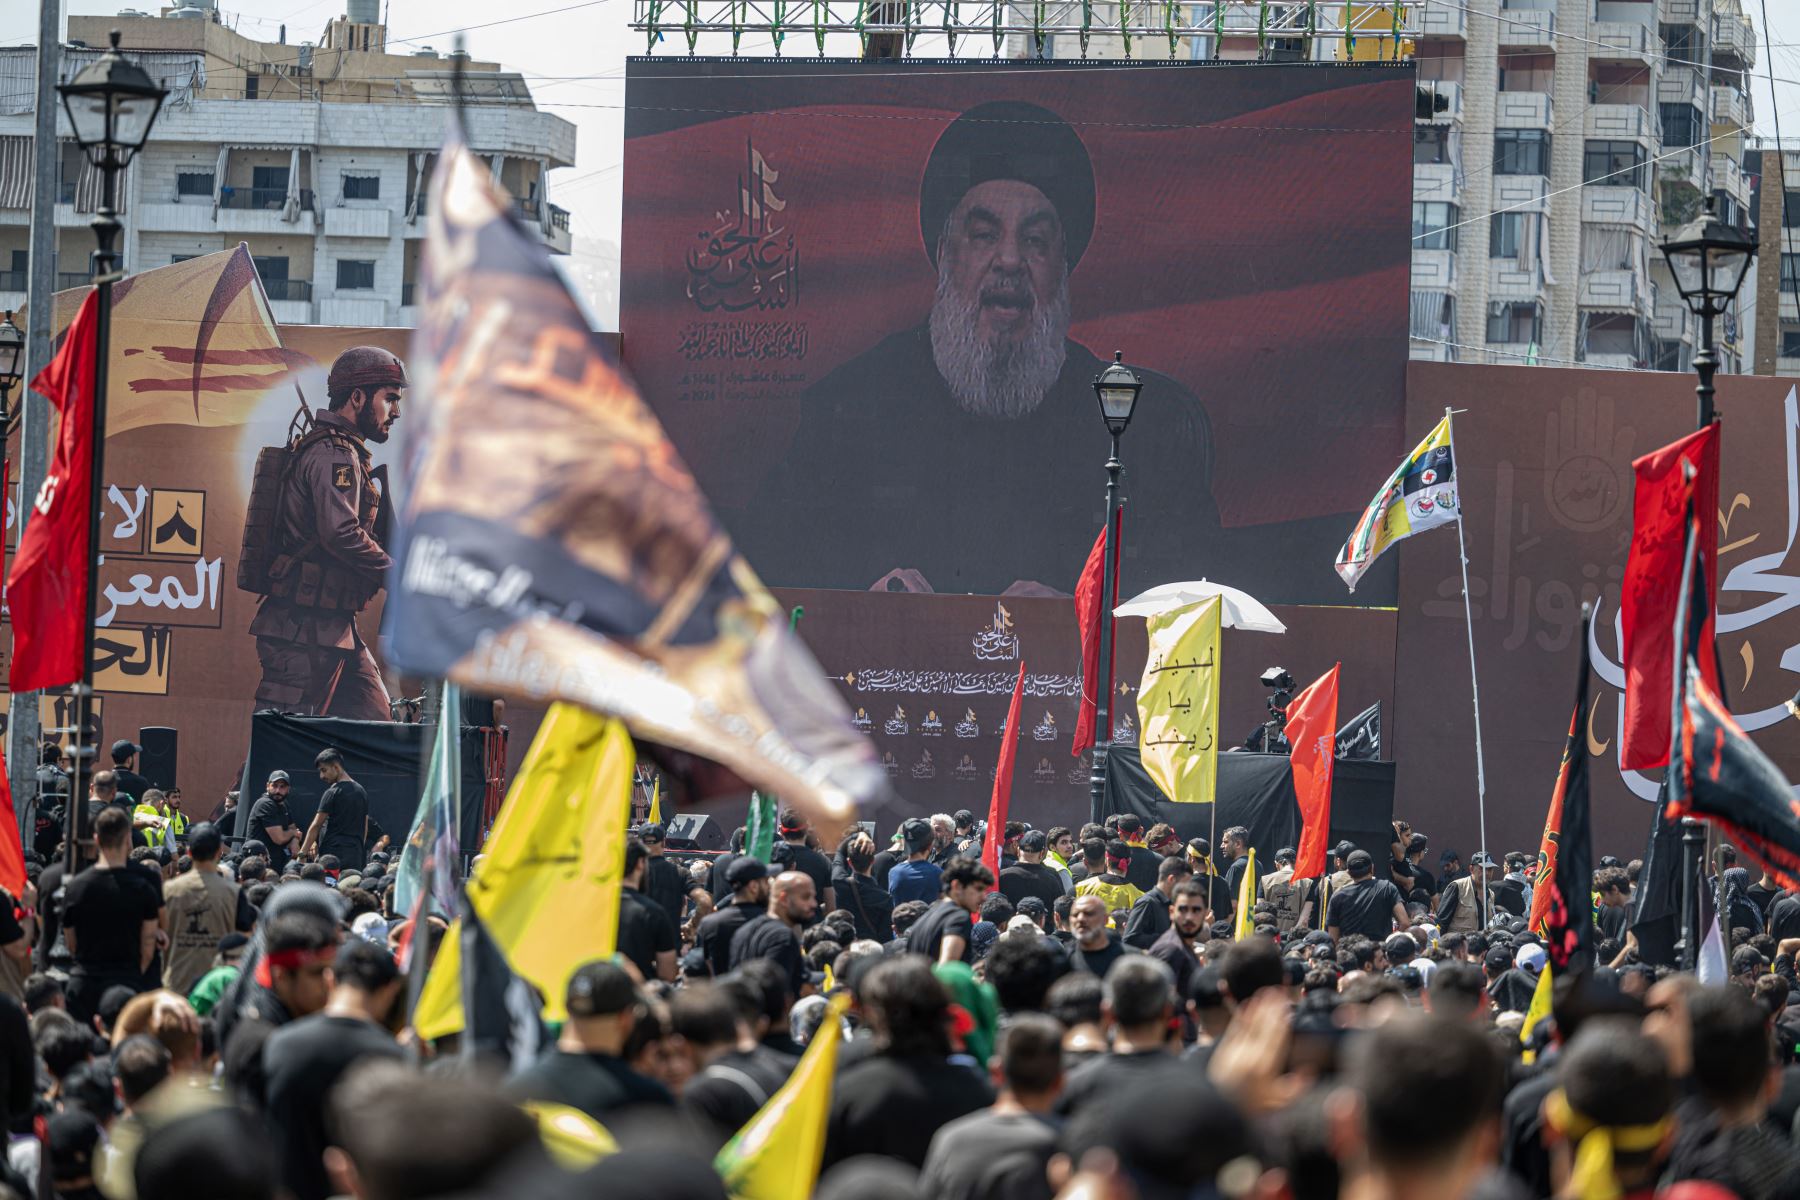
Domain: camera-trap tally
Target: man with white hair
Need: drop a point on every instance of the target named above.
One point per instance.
(988, 391)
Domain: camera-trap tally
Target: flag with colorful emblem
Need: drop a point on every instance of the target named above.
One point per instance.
(1419, 495)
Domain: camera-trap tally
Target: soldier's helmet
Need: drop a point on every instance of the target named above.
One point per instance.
(366, 367)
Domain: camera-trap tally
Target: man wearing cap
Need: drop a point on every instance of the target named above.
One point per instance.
(989, 376)
(1030, 876)
(1366, 905)
(1463, 904)
(666, 883)
(918, 878)
(124, 755)
(1292, 898)
(587, 1070)
(324, 562)
(749, 880)
(203, 907)
(272, 823)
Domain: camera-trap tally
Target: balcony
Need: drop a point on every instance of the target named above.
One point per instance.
(557, 238)
(255, 210)
(274, 199)
(1603, 205)
(1623, 42)
(1730, 178)
(1678, 85)
(1437, 21)
(1527, 29)
(1620, 122)
(1508, 280)
(1521, 193)
(14, 281)
(288, 289)
(1450, 92)
(1611, 291)
(1678, 165)
(1681, 12)
(353, 310)
(1420, 351)
(1433, 270)
(1670, 319)
(1616, 362)
(72, 279)
(1731, 107)
(1790, 307)
(357, 222)
(1523, 110)
(1437, 181)
(292, 312)
(1734, 38)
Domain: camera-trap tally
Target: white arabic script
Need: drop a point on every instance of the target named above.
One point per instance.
(169, 593)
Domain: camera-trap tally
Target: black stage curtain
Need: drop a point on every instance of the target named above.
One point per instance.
(1257, 792)
(386, 757)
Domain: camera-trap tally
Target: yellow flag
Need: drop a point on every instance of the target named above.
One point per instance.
(776, 1156)
(1246, 901)
(547, 887)
(1539, 1009)
(655, 816)
(1178, 702)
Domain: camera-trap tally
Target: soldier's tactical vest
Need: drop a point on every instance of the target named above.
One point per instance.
(1287, 897)
(299, 574)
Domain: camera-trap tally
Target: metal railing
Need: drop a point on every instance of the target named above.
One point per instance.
(72, 279)
(269, 199)
(288, 289)
(13, 281)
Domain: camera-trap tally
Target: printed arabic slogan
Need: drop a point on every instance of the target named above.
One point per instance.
(1178, 702)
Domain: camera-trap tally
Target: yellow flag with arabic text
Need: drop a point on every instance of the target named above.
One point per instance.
(547, 886)
(1178, 702)
(1535, 1012)
(776, 1156)
(1246, 901)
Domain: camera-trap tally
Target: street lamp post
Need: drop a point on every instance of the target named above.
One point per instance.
(1117, 387)
(111, 104)
(1709, 260)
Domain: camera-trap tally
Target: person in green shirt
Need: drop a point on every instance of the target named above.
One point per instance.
(225, 970)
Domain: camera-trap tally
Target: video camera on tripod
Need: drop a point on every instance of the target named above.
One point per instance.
(1270, 736)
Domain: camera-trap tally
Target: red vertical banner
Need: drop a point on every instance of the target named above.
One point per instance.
(1003, 773)
(1546, 868)
(48, 585)
(1090, 610)
(1312, 734)
(1652, 588)
(12, 849)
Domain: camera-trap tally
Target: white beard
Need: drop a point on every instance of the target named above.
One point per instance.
(997, 378)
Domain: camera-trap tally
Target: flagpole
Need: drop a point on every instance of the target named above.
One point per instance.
(1462, 548)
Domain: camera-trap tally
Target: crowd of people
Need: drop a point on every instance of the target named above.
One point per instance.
(199, 1012)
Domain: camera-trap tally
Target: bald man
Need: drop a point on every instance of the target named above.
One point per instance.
(776, 934)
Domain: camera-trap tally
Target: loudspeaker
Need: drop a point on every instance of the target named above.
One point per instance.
(694, 831)
(157, 762)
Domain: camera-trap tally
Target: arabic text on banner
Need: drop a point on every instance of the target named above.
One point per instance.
(1178, 702)
(1419, 495)
(587, 566)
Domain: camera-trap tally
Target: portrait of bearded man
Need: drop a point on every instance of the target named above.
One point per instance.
(964, 454)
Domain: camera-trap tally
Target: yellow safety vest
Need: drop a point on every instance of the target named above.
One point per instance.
(172, 823)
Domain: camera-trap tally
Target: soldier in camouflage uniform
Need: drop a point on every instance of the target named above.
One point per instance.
(327, 563)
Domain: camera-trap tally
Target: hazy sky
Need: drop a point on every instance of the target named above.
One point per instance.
(574, 60)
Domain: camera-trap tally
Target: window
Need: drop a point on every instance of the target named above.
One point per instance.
(1669, 356)
(1506, 234)
(181, 258)
(1790, 343)
(1434, 225)
(1681, 41)
(1521, 152)
(250, 86)
(1516, 323)
(271, 269)
(1790, 209)
(1613, 164)
(1431, 143)
(1681, 125)
(362, 187)
(355, 274)
(1728, 210)
(1790, 272)
(194, 183)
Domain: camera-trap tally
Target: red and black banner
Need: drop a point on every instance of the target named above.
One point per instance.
(1726, 781)
(1563, 900)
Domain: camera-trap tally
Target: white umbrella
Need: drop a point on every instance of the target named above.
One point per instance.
(1241, 610)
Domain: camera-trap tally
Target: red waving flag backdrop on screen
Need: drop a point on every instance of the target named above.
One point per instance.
(12, 852)
(1009, 750)
(1653, 586)
(1312, 732)
(1089, 612)
(48, 587)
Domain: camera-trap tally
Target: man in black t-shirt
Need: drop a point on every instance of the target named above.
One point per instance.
(587, 1069)
(749, 899)
(646, 935)
(869, 904)
(776, 934)
(272, 824)
(946, 932)
(341, 826)
(1234, 849)
(130, 782)
(793, 854)
(1095, 949)
(1366, 905)
(110, 914)
(1149, 917)
(1614, 886)
(666, 883)
(1030, 876)
(1141, 872)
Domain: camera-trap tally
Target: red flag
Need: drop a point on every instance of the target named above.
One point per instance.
(12, 850)
(1546, 868)
(1009, 750)
(1088, 613)
(1312, 732)
(48, 587)
(1652, 588)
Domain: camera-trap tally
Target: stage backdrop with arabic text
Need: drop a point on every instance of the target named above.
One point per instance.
(779, 246)
(1543, 459)
(172, 646)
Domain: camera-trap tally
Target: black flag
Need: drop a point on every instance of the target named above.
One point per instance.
(1727, 781)
(1360, 738)
(1569, 915)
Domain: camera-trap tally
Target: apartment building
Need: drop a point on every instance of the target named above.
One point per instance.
(1572, 136)
(317, 156)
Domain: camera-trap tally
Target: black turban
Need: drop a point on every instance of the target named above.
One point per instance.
(1010, 139)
